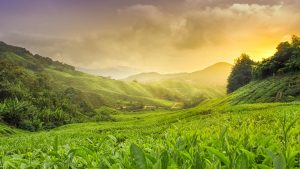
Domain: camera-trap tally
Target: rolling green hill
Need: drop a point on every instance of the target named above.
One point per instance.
(99, 91)
(37, 92)
(195, 87)
(222, 133)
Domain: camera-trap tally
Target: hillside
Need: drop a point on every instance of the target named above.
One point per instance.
(99, 91)
(274, 79)
(213, 75)
(195, 87)
(222, 133)
(284, 88)
(58, 94)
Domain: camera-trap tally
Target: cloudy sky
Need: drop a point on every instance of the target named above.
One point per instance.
(121, 37)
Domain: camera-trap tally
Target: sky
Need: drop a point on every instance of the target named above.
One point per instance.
(121, 37)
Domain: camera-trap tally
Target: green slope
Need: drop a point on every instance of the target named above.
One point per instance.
(193, 88)
(215, 136)
(99, 91)
(273, 89)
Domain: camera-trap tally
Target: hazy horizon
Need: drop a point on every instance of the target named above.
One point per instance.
(120, 73)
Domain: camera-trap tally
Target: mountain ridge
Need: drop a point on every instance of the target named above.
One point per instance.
(221, 68)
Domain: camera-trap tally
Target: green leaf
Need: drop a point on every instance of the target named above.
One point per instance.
(113, 138)
(138, 156)
(291, 125)
(279, 162)
(262, 166)
(242, 162)
(220, 155)
(223, 132)
(56, 143)
(197, 161)
(164, 160)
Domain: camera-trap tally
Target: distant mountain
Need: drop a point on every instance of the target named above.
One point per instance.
(152, 77)
(213, 75)
(116, 72)
(216, 74)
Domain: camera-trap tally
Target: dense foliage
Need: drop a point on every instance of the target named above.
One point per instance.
(28, 101)
(285, 61)
(241, 73)
(22, 57)
(210, 136)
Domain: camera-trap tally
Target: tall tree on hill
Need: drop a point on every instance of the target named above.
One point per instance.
(241, 73)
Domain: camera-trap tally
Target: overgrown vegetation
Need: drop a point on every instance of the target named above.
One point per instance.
(285, 61)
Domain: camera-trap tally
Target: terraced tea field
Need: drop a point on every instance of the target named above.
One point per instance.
(207, 136)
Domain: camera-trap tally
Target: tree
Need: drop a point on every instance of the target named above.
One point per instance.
(293, 64)
(285, 60)
(241, 73)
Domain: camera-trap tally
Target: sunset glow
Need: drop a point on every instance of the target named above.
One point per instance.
(119, 38)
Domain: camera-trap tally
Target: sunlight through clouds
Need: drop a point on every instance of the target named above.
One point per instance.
(149, 36)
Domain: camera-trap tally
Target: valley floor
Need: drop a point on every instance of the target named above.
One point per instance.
(228, 136)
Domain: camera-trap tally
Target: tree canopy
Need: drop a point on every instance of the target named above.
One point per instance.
(241, 73)
(285, 60)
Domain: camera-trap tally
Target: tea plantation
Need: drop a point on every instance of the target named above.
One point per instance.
(208, 136)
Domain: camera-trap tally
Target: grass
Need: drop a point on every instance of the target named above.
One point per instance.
(207, 136)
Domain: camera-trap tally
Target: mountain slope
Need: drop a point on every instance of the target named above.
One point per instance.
(195, 87)
(284, 88)
(149, 77)
(274, 79)
(97, 91)
(213, 75)
(100, 91)
(216, 74)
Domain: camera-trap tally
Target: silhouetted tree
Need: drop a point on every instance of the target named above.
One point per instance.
(285, 60)
(241, 73)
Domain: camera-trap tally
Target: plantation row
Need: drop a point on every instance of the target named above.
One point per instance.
(243, 136)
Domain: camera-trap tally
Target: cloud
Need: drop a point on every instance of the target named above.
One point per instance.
(150, 38)
(214, 26)
(227, 3)
(137, 12)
